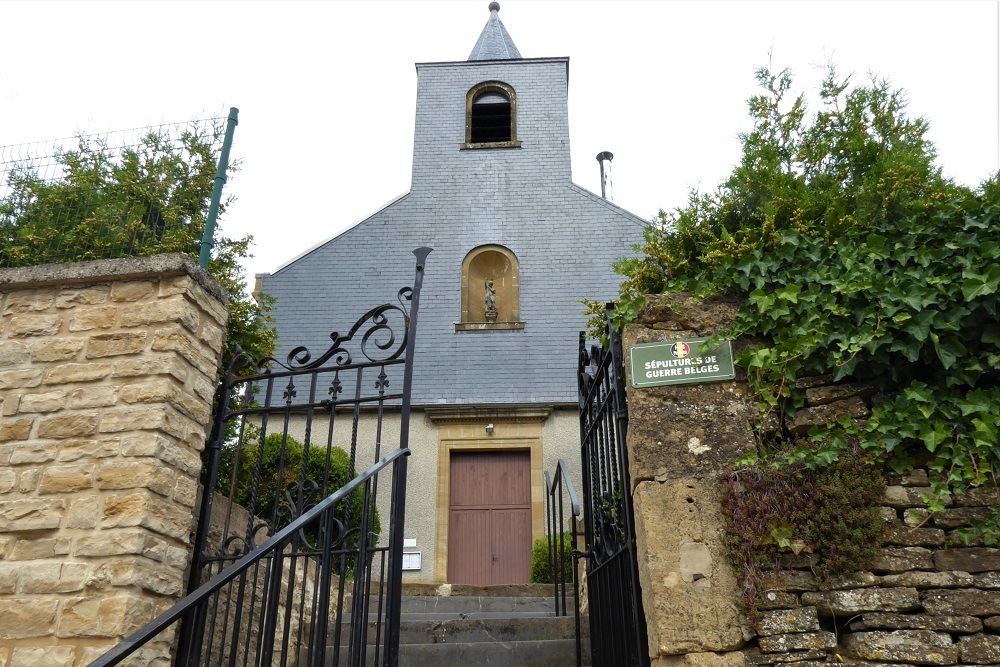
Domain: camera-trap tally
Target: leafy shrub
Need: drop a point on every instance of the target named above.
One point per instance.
(133, 201)
(541, 564)
(983, 530)
(272, 502)
(831, 513)
(851, 253)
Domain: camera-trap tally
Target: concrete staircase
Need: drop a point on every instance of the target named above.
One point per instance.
(495, 626)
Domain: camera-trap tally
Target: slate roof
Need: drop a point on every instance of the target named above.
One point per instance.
(494, 43)
(565, 240)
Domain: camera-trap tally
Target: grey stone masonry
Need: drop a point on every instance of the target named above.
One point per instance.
(929, 596)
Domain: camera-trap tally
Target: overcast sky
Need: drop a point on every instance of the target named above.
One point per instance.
(326, 89)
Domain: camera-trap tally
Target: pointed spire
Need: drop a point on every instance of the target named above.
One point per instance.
(494, 43)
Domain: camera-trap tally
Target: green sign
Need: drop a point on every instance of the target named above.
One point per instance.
(681, 362)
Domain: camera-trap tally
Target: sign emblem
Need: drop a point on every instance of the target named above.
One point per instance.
(680, 350)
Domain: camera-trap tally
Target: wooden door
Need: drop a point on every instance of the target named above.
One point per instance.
(489, 523)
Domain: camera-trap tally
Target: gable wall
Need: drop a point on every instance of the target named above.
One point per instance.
(565, 240)
(564, 243)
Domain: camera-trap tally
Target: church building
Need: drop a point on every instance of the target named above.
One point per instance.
(516, 246)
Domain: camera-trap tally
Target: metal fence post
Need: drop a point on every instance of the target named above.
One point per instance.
(208, 238)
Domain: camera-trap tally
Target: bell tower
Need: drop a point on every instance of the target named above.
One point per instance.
(494, 126)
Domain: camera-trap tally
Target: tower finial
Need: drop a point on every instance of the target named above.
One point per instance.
(494, 43)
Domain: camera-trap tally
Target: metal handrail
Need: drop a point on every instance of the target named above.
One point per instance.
(562, 472)
(554, 499)
(183, 606)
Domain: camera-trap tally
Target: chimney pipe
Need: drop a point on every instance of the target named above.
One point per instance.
(604, 159)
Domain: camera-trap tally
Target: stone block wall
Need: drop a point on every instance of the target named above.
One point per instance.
(107, 373)
(925, 601)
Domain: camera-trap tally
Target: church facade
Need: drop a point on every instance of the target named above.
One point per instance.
(516, 246)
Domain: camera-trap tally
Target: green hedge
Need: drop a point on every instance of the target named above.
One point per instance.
(541, 570)
(267, 490)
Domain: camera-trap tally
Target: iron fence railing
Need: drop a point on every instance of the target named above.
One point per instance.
(124, 193)
(248, 622)
(325, 589)
(617, 622)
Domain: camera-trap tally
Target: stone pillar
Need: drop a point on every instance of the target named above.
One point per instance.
(680, 439)
(107, 372)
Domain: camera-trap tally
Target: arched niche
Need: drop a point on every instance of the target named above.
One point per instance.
(490, 263)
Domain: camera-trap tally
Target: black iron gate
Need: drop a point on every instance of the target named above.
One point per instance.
(617, 623)
(298, 551)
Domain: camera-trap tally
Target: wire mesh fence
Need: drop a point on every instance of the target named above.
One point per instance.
(124, 193)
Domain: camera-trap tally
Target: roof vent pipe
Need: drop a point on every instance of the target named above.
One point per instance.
(604, 159)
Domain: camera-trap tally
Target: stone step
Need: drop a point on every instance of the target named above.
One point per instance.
(463, 590)
(466, 604)
(499, 626)
(472, 615)
(469, 630)
(526, 653)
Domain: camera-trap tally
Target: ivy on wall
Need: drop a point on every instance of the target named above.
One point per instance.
(851, 253)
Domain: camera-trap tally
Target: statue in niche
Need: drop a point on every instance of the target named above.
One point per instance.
(491, 301)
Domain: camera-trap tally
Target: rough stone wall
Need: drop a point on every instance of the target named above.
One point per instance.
(106, 379)
(923, 602)
(926, 600)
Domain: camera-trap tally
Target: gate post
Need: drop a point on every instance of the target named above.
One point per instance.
(107, 370)
(395, 591)
(680, 439)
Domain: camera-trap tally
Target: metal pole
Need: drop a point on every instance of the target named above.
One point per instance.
(193, 624)
(395, 588)
(601, 158)
(208, 238)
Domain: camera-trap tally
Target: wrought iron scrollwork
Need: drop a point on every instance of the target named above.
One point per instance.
(382, 382)
(589, 363)
(381, 333)
(299, 497)
(237, 545)
(610, 532)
